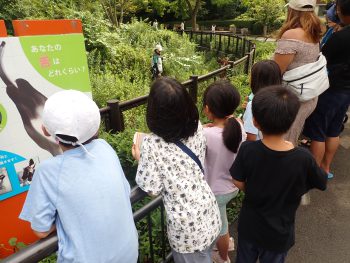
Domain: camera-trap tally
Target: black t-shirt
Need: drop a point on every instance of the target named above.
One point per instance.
(274, 184)
(337, 53)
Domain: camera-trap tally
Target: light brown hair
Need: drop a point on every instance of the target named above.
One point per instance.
(307, 20)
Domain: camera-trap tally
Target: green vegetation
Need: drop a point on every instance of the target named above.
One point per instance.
(119, 58)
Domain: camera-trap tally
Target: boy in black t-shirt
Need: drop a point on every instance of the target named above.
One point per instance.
(274, 175)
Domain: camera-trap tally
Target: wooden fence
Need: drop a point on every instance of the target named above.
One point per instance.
(232, 46)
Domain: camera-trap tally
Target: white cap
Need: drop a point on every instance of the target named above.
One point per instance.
(71, 113)
(299, 5)
(159, 47)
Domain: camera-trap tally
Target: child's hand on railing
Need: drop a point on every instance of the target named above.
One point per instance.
(245, 102)
(135, 152)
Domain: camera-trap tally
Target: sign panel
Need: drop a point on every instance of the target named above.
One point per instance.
(31, 69)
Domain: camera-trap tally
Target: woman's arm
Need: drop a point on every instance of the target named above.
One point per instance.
(283, 61)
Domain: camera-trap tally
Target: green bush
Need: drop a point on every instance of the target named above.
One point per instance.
(257, 28)
(244, 23)
(264, 50)
(120, 67)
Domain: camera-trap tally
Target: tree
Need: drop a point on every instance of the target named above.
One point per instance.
(115, 10)
(265, 12)
(193, 8)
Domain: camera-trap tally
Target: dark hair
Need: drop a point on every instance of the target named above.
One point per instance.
(222, 99)
(265, 73)
(73, 139)
(274, 109)
(66, 138)
(31, 162)
(344, 7)
(171, 112)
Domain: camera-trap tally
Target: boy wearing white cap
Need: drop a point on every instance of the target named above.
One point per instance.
(82, 193)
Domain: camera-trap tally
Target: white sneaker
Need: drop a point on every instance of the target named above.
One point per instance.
(215, 256)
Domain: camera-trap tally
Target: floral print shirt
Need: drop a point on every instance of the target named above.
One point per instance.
(193, 217)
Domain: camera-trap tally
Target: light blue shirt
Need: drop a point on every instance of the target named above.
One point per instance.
(248, 122)
(87, 197)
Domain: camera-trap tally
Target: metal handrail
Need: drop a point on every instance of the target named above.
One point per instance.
(49, 245)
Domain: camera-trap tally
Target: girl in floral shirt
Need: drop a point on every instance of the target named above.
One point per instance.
(193, 217)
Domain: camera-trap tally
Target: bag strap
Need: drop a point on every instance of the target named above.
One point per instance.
(191, 154)
(308, 75)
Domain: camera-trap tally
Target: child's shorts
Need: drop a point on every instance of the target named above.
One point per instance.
(327, 119)
(196, 257)
(222, 202)
(250, 253)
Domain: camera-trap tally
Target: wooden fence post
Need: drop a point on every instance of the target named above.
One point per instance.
(237, 46)
(219, 49)
(194, 88)
(247, 64)
(201, 38)
(243, 48)
(254, 48)
(191, 35)
(228, 45)
(116, 120)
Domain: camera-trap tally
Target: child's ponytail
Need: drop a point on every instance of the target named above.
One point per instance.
(222, 99)
(232, 134)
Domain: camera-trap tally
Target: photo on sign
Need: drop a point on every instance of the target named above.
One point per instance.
(5, 184)
(25, 171)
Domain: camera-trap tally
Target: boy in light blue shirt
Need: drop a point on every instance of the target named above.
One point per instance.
(82, 193)
(264, 73)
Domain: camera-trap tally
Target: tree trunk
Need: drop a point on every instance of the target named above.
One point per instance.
(265, 30)
(121, 18)
(194, 22)
(192, 11)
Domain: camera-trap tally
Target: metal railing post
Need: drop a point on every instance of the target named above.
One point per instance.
(116, 120)
(194, 88)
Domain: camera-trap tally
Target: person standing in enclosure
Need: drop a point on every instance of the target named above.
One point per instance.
(297, 46)
(157, 62)
(325, 124)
